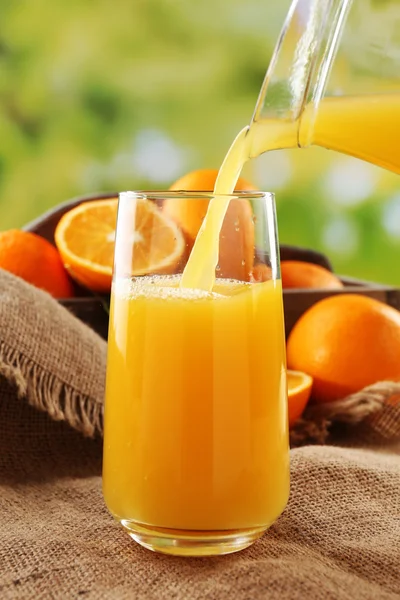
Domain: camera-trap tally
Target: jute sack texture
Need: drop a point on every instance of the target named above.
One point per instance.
(338, 538)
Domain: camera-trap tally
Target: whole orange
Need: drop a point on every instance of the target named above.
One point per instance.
(35, 260)
(299, 274)
(345, 343)
(236, 250)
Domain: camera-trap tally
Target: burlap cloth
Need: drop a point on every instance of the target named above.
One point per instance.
(339, 537)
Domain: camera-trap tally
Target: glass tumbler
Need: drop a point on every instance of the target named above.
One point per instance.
(196, 452)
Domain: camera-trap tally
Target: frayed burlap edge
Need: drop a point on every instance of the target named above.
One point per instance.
(48, 393)
(376, 408)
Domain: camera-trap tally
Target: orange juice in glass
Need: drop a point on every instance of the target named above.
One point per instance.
(196, 453)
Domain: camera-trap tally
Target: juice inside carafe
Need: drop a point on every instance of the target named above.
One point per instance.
(365, 127)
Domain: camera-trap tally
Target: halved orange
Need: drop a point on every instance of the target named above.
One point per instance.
(299, 391)
(85, 238)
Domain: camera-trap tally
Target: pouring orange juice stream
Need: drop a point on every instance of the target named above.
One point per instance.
(364, 127)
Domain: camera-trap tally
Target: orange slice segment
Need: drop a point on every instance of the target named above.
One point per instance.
(299, 391)
(85, 238)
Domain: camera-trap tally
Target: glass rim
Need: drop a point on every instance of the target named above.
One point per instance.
(193, 194)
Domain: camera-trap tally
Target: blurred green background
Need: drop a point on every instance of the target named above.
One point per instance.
(104, 96)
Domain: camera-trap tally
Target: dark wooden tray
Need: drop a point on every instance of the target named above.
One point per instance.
(93, 310)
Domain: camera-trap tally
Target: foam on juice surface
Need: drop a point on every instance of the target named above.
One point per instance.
(164, 287)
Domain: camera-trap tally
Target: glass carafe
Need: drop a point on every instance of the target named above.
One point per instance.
(334, 81)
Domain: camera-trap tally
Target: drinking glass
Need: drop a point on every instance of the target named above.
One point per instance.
(196, 453)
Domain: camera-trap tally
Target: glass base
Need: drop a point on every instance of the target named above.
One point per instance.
(191, 543)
